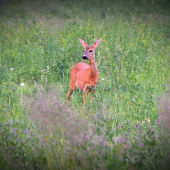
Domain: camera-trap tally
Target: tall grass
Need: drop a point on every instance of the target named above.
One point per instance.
(122, 128)
(69, 141)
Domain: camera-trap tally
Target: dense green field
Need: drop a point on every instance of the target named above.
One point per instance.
(128, 124)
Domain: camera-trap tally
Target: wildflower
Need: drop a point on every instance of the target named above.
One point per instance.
(104, 144)
(22, 84)
(87, 137)
(123, 139)
(6, 85)
(119, 141)
(162, 117)
(12, 69)
(151, 131)
(139, 129)
(141, 145)
(119, 126)
(27, 133)
(148, 120)
(157, 122)
(10, 123)
(81, 139)
(102, 79)
(67, 124)
(46, 138)
(123, 152)
(136, 125)
(143, 122)
(128, 147)
(12, 89)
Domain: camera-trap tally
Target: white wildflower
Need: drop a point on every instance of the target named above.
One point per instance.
(149, 120)
(22, 84)
(143, 122)
(12, 69)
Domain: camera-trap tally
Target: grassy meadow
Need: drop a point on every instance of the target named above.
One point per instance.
(128, 124)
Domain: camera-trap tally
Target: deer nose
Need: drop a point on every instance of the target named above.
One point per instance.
(84, 57)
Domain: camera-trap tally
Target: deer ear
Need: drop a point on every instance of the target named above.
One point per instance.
(96, 44)
(84, 44)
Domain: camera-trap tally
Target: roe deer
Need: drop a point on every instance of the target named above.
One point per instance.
(85, 76)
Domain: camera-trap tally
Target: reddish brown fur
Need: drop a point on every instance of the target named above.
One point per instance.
(85, 76)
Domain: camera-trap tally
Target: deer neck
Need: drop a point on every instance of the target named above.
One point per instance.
(92, 68)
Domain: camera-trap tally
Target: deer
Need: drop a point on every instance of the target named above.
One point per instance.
(84, 76)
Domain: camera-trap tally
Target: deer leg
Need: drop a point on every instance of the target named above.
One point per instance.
(72, 88)
(85, 97)
(88, 91)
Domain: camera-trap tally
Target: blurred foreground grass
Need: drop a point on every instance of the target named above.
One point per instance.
(39, 45)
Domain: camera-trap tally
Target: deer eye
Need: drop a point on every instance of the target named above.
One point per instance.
(90, 51)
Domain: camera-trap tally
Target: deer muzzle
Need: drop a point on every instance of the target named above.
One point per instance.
(84, 57)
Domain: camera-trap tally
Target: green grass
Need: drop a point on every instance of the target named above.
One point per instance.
(40, 40)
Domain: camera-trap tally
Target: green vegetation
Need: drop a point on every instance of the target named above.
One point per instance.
(128, 124)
